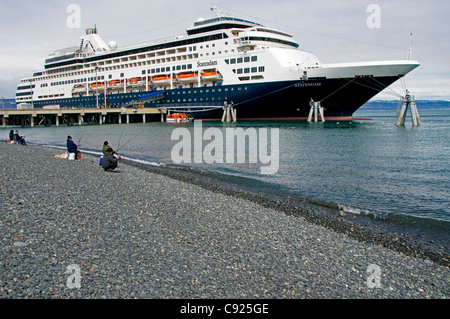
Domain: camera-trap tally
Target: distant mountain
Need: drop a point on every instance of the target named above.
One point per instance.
(393, 105)
(372, 105)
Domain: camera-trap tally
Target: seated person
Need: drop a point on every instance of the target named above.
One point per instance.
(11, 135)
(73, 148)
(109, 161)
(105, 148)
(19, 139)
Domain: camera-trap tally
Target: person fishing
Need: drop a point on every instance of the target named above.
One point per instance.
(19, 139)
(105, 148)
(109, 161)
(73, 148)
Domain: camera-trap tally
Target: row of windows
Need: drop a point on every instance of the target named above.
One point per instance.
(167, 69)
(179, 100)
(25, 87)
(182, 92)
(168, 94)
(249, 70)
(24, 93)
(295, 45)
(84, 80)
(246, 59)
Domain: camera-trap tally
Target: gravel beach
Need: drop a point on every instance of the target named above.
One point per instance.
(134, 233)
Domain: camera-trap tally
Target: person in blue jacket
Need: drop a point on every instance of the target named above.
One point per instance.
(19, 139)
(73, 148)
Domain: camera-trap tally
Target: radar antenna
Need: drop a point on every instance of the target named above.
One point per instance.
(220, 13)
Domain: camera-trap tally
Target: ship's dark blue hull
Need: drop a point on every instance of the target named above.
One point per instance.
(282, 100)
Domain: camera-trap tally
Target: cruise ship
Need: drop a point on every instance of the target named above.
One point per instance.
(223, 61)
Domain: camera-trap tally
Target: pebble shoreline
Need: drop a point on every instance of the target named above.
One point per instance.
(138, 234)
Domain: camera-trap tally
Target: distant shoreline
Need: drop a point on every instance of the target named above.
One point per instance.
(369, 106)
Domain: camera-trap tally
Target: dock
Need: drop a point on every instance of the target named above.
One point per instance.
(59, 116)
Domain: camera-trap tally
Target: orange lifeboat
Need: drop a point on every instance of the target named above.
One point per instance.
(188, 77)
(211, 76)
(179, 118)
(114, 84)
(135, 82)
(98, 84)
(161, 79)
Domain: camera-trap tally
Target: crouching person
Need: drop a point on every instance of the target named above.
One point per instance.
(109, 161)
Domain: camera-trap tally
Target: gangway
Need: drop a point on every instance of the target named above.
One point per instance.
(145, 99)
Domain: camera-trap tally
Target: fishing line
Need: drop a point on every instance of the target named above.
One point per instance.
(120, 138)
(82, 136)
(127, 142)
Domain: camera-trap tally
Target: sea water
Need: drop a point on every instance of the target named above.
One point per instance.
(367, 167)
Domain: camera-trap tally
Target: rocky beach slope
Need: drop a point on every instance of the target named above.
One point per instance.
(138, 233)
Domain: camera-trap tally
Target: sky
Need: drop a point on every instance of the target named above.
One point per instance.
(335, 30)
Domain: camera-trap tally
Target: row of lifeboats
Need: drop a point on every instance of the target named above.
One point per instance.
(158, 80)
(188, 77)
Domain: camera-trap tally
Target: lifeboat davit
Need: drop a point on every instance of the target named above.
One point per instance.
(80, 88)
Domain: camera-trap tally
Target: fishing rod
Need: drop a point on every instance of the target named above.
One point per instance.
(81, 136)
(120, 138)
(117, 155)
(120, 146)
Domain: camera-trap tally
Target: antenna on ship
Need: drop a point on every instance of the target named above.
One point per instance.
(409, 56)
(219, 12)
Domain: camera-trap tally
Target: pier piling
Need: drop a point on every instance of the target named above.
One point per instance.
(316, 110)
(229, 113)
(408, 102)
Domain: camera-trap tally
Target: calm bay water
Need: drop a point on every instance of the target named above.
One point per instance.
(371, 167)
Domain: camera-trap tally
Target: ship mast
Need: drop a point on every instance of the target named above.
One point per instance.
(409, 56)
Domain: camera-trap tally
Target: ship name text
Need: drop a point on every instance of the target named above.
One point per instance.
(209, 63)
(300, 85)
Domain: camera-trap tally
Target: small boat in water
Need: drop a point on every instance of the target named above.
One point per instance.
(179, 118)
